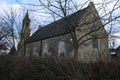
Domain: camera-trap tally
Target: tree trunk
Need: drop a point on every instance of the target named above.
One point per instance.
(76, 51)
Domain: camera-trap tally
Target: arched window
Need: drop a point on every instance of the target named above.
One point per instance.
(61, 49)
(94, 37)
(45, 50)
(27, 53)
(95, 41)
(26, 50)
(35, 53)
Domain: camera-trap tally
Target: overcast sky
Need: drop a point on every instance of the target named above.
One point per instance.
(5, 4)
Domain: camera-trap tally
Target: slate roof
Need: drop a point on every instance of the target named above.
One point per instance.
(58, 27)
(115, 50)
(118, 49)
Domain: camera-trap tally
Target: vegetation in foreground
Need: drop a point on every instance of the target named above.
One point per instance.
(23, 68)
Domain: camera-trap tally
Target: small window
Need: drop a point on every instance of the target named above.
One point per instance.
(27, 24)
(45, 50)
(61, 49)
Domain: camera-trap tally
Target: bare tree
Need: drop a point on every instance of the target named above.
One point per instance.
(62, 8)
(11, 25)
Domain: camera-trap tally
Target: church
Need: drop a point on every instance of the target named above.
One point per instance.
(55, 39)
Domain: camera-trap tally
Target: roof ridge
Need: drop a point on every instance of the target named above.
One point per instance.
(69, 15)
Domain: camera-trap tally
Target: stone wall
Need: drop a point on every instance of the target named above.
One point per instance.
(89, 27)
(56, 47)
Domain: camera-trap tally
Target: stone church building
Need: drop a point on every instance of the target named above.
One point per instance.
(55, 39)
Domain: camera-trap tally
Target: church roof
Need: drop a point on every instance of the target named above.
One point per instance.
(58, 27)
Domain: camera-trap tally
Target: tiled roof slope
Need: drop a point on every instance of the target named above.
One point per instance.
(58, 27)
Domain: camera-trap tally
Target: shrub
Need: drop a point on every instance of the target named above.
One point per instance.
(25, 68)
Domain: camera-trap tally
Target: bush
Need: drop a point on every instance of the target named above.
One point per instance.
(24, 68)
